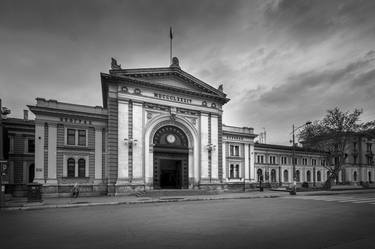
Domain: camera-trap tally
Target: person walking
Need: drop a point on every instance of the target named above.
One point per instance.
(75, 190)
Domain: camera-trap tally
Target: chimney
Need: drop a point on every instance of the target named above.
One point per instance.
(25, 115)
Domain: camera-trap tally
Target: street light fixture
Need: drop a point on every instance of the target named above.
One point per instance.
(293, 191)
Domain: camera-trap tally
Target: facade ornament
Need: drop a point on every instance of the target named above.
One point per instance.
(173, 113)
(175, 62)
(149, 115)
(114, 65)
(221, 88)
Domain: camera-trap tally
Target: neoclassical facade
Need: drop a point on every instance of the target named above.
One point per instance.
(158, 128)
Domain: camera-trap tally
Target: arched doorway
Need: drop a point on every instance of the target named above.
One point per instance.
(31, 173)
(170, 170)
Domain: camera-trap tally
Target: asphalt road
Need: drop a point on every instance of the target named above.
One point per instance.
(254, 223)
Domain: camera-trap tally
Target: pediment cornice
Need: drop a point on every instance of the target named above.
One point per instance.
(129, 78)
(144, 73)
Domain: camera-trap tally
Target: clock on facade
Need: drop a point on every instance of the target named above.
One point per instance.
(171, 138)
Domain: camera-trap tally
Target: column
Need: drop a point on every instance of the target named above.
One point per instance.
(252, 164)
(247, 160)
(98, 154)
(224, 160)
(52, 136)
(39, 153)
(214, 152)
(123, 139)
(204, 143)
(138, 146)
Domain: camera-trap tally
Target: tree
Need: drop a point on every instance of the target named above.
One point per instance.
(333, 134)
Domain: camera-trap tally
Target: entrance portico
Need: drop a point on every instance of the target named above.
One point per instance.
(168, 128)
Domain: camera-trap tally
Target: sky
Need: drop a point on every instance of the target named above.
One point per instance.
(281, 62)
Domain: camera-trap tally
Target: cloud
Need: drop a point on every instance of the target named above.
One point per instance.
(298, 87)
(311, 21)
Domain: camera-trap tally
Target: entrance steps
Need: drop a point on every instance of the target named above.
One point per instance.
(174, 192)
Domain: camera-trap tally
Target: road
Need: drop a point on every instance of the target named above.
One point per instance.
(253, 223)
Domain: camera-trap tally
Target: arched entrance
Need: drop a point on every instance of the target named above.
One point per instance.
(171, 170)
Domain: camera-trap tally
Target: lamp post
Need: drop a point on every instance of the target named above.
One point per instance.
(293, 191)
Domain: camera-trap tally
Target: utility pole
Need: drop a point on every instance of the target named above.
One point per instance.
(293, 192)
(2, 190)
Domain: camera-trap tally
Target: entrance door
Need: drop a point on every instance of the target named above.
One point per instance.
(170, 173)
(31, 173)
(170, 159)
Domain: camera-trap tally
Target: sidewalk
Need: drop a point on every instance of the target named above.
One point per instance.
(66, 202)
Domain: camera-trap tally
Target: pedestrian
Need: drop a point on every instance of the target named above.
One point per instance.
(75, 190)
(261, 183)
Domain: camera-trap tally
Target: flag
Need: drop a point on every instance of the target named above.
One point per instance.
(170, 33)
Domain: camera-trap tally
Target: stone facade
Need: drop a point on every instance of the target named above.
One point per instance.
(160, 128)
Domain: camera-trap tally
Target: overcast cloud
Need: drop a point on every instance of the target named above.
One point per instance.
(281, 62)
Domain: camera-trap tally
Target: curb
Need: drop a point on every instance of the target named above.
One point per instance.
(176, 199)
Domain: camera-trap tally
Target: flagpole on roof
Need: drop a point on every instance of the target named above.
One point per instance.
(170, 43)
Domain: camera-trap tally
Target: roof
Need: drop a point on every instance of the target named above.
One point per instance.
(284, 147)
(142, 76)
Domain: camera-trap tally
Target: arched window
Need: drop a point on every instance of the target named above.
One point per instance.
(273, 175)
(81, 167)
(231, 171)
(260, 175)
(298, 177)
(237, 171)
(71, 167)
(318, 176)
(308, 175)
(355, 176)
(286, 176)
(369, 177)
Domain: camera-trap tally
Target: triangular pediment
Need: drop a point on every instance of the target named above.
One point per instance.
(169, 77)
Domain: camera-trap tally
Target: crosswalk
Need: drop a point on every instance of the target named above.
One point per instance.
(357, 199)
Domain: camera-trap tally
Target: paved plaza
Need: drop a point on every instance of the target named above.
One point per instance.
(303, 221)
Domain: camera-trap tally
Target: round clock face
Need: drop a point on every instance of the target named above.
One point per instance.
(171, 138)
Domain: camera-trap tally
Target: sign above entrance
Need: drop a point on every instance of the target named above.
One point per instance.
(172, 98)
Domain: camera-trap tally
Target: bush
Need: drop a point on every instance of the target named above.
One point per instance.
(305, 185)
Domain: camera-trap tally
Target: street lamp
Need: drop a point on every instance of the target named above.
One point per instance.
(293, 190)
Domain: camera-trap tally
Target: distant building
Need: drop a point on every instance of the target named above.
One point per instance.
(159, 128)
(20, 146)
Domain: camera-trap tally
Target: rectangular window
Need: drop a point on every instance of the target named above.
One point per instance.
(30, 145)
(313, 162)
(369, 160)
(71, 137)
(82, 137)
(283, 160)
(354, 159)
(323, 162)
(11, 144)
(272, 160)
(304, 161)
(369, 145)
(235, 150)
(295, 161)
(260, 159)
